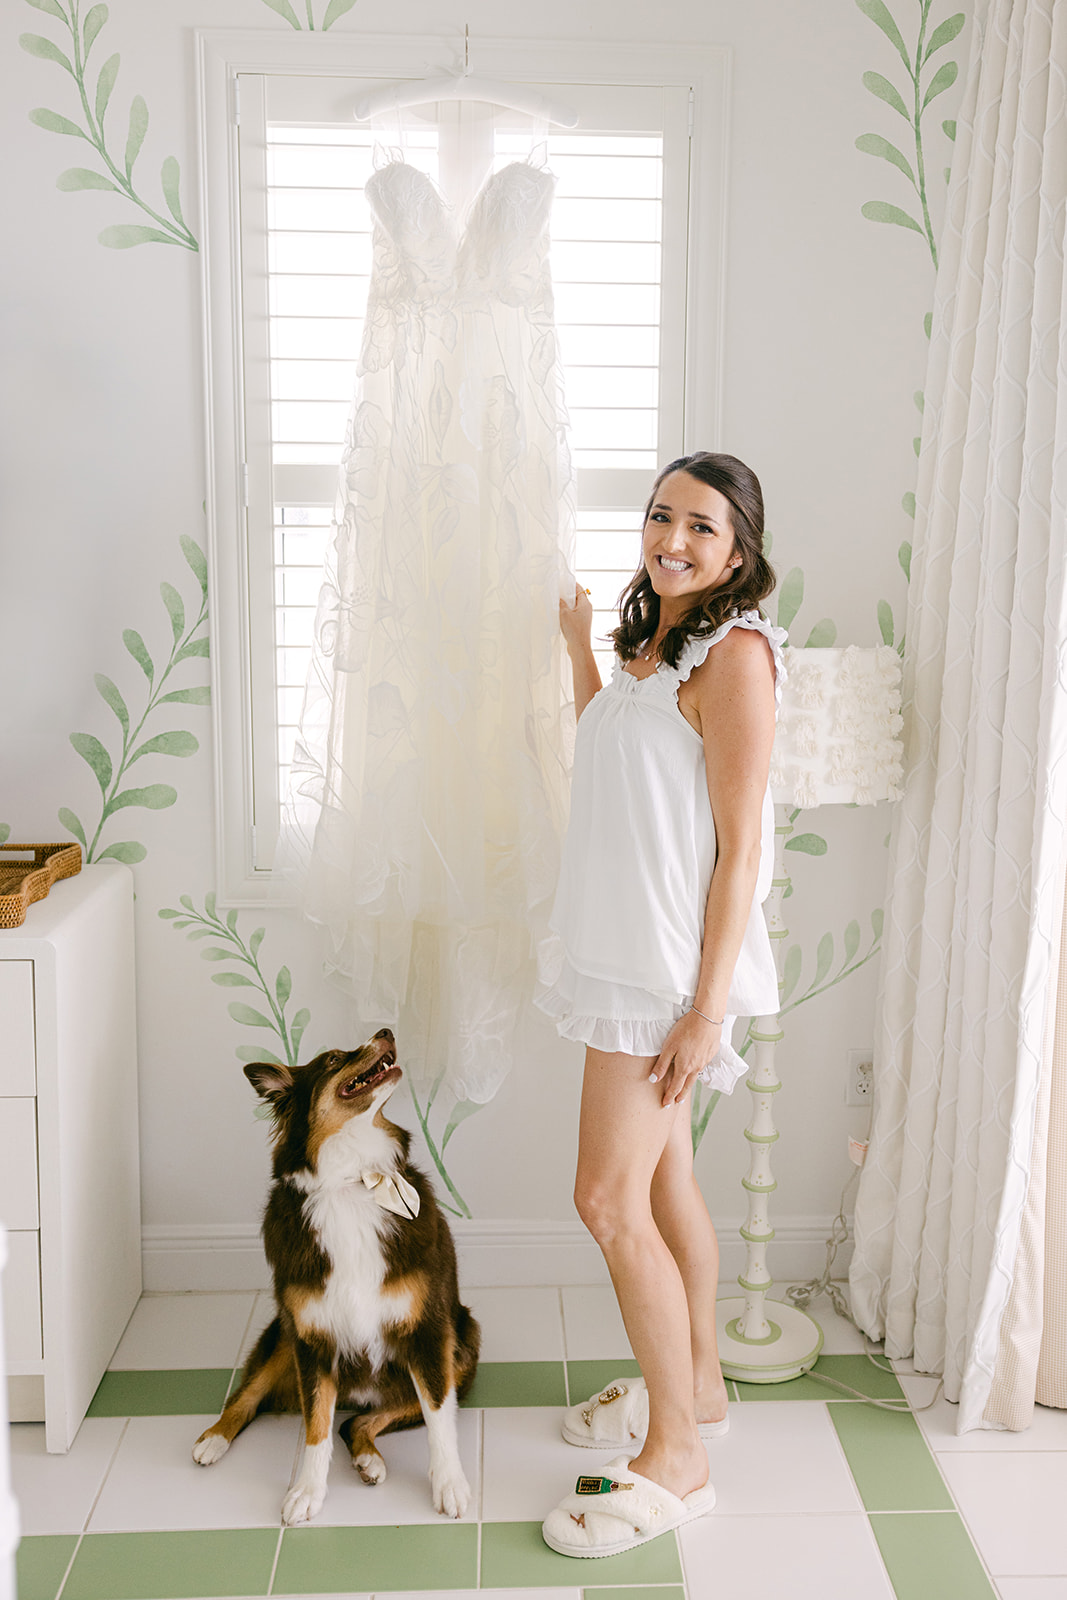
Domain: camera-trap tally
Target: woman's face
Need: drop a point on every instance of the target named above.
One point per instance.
(688, 540)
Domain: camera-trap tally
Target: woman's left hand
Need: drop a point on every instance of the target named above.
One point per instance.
(688, 1048)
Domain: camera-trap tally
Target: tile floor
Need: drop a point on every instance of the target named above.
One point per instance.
(819, 1496)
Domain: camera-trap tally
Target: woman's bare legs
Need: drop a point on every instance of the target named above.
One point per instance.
(682, 1219)
(623, 1134)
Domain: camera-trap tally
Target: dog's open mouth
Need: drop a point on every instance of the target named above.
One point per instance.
(371, 1076)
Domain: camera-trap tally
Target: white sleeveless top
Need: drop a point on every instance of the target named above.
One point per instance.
(628, 921)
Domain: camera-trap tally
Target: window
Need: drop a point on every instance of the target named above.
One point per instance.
(294, 261)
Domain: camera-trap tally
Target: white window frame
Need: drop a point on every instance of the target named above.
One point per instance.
(222, 56)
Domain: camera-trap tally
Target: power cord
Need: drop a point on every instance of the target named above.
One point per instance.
(801, 1296)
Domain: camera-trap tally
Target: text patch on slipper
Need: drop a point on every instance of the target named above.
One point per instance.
(599, 1485)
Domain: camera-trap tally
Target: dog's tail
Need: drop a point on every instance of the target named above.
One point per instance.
(468, 1344)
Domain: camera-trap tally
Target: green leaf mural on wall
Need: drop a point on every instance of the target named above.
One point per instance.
(189, 643)
(335, 9)
(925, 81)
(924, 84)
(118, 179)
(245, 972)
(230, 947)
(5, 832)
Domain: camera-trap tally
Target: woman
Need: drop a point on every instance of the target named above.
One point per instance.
(659, 943)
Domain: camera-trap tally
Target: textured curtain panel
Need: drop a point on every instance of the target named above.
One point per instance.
(978, 842)
(1032, 1360)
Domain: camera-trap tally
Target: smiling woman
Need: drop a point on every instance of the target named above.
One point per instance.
(703, 538)
(659, 944)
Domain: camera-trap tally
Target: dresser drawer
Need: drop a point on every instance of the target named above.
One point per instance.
(22, 1298)
(18, 1050)
(18, 1164)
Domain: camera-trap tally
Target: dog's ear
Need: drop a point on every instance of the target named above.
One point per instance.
(270, 1080)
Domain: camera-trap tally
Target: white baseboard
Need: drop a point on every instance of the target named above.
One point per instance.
(230, 1255)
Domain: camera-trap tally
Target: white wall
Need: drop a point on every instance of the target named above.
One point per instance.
(103, 431)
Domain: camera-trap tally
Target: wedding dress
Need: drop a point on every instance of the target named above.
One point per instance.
(429, 786)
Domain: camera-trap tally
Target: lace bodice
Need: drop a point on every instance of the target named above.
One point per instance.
(423, 262)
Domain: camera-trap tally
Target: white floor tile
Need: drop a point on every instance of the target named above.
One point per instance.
(781, 1457)
(1032, 1588)
(807, 1558)
(184, 1330)
(55, 1494)
(923, 1391)
(405, 1496)
(593, 1324)
(262, 1312)
(518, 1324)
(155, 1483)
(528, 1467)
(1013, 1503)
(1048, 1431)
(839, 1336)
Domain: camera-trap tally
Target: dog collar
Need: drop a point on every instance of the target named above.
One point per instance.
(392, 1193)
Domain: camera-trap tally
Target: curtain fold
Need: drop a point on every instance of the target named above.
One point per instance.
(1032, 1358)
(978, 841)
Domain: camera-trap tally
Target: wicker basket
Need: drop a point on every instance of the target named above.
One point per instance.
(23, 882)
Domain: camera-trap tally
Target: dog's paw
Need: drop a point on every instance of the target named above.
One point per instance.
(451, 1493)
(370, 1467)
(302, 1503)
(210, 1447)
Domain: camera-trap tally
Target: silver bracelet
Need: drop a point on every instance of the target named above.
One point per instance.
(707, 1018)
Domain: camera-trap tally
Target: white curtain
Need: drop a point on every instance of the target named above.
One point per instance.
(978, 841)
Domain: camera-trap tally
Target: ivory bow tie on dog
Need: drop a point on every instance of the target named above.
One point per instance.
(392, 1193)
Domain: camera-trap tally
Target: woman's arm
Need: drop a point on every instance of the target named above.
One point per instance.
(576, 624)
(731, 695)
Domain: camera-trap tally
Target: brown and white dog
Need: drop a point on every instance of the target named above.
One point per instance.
(364, 1281)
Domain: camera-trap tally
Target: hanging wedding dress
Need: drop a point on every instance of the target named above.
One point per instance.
(429, 785)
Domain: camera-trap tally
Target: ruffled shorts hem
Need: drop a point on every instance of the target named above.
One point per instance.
(573, 1000)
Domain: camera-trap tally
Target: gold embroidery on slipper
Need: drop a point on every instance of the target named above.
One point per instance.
(579, 1520)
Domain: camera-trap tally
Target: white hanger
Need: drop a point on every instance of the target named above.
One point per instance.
(464, 86)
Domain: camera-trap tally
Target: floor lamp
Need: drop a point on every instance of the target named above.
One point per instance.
(837, 743)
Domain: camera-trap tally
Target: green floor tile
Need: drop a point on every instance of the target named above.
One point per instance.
(41, 1563)
(515, 1556)
(161, 1394)
(587, 1378)
(856, 1371)
(518, 1383)
(172, 1566)
(931, 1554)
(362, 1560)
(890, 1460)
(663, 1593)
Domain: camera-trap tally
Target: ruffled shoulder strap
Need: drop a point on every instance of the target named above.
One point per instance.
(696, 650)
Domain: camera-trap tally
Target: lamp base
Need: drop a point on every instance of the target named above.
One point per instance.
(792, 1348)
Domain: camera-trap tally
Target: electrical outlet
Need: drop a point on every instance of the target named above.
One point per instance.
(859, 1087)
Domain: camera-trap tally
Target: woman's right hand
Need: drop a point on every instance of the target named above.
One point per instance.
(576, 622)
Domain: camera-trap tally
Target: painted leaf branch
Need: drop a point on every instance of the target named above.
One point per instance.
(83, 33)
(247, 973)
(335, 9)
(924, 84)
(790, 600)
(189, 642)
(460, 1111)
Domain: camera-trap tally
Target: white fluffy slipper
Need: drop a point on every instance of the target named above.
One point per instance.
(617, 1510)
(619, 1415)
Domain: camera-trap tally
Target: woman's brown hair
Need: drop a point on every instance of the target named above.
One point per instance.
(744, 588)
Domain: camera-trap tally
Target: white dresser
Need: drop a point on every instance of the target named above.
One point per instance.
(69, 1165)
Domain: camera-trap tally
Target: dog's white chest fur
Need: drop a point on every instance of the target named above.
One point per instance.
(353, 1310)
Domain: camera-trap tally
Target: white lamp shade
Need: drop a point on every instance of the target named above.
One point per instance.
(838, 738)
